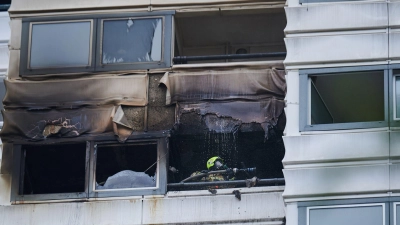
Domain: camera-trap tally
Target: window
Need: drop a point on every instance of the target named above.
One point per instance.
(131, 41)
(87, 44)
(60, 44)
(4, 5)
(344, 98)
(89, 169)
(346, 212)
(47, 172)
(134, 168)
(245, 35)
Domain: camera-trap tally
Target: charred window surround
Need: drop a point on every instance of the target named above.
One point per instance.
(87, 44)
(69, 171)
(364, 97)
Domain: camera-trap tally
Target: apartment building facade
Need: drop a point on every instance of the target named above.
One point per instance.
(106, 100)
(342, 138)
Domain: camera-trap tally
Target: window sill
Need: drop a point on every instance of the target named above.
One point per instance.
(278, 63)
(380, 129)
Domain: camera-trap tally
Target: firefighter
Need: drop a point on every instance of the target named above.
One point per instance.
(214, 164)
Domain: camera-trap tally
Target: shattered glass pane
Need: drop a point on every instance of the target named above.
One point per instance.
(132, 40)
(397, 97)
(60, 44)
(126, 166)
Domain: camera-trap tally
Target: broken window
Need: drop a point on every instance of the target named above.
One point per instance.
(120, 42)
(345, 100)
(131, 40)
(126, 166)
(133, 168)
(47, 171)
(230, 32)
(90, 169)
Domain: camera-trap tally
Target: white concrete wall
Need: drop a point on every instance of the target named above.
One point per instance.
(264, 204)
(330, 34)
(4, 38)
(54, 5)
(339, 163)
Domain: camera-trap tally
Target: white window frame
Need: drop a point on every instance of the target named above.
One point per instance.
(348, 206)
(305, 100)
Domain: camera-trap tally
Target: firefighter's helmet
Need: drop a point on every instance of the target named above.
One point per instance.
(213, 162)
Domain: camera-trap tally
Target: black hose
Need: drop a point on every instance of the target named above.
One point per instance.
(273, 181)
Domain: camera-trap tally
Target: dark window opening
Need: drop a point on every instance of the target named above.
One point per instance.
(126, 166)
(189, 153)
(53, 169)
(347, 97)
(4, 5)
(230, 33)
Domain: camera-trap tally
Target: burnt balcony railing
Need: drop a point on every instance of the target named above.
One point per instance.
(185, 59)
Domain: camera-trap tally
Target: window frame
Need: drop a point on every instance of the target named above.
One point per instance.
(26, 41)
(96, 44)
(394, 71)
(166, 49)
(16, 185)
(161, 138)
(161, 187)
(305, 99)
(304, 207)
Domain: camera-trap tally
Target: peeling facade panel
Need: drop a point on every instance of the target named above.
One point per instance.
(36, 125)
(228, 84)
(72, 93)
(227, 117)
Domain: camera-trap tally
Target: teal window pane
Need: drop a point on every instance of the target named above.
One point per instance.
(64, 44)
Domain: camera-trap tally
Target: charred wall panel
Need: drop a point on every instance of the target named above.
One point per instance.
(159, 116)
(37, 125)
(67, 93)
